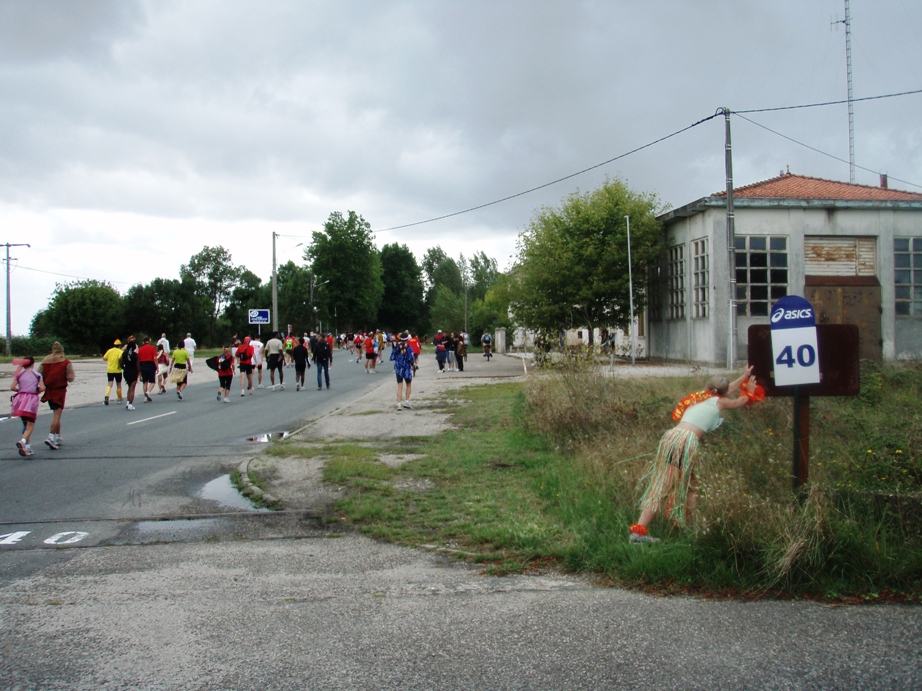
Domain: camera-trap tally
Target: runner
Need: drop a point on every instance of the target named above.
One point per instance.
(56, 371)
(226, 374)
(258, 360)
(323, 359)
(27, 384)
(147, 361)
(403, 357)
(164, 343)
(191, 345)
(274, 360)
(163, 368)
(180, 368)
(300, 354)
(113, 357)
(245, 359)
(370, 344)
(289, 346)
(130, 369)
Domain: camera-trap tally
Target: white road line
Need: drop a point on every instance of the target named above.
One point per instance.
(138, 422)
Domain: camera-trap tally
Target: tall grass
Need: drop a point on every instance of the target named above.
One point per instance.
(752, 533)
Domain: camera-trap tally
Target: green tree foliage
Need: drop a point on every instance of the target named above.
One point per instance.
(403, 306)
(249, 293)
(492, 312)
(572, 268)
(431, 260)
(215, 277)
(87, 315)
(447, 311)
(294, 297)
(484, 273)
(344, 254)
(166, 306)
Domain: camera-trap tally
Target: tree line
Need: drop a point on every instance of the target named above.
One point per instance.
(571, 271)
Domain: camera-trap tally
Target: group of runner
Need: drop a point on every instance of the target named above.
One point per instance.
(153, 365)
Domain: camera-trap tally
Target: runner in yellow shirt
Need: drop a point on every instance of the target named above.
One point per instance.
(113, 357)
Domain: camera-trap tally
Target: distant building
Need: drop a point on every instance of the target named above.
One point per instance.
(854, 251)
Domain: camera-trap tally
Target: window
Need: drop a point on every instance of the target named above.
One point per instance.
(676, 276)
(761, 273)
(907, 276)
(702, 277)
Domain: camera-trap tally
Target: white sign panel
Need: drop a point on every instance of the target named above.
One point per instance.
(794, 349)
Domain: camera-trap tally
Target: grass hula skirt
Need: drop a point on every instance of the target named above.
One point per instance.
(670, 473)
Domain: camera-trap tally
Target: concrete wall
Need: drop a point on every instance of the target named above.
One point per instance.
(705, 340)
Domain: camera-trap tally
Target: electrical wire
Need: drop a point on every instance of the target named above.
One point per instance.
(819, 151)
(827, 103)
(553, 182)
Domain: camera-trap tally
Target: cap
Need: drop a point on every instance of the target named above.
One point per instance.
(118, 342)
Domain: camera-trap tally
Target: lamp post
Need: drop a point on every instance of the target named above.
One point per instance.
(314, 284)
(9, 321)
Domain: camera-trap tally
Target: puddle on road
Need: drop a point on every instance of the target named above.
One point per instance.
(222, 491)
(269, 436)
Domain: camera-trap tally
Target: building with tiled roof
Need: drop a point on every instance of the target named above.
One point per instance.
(854, 251)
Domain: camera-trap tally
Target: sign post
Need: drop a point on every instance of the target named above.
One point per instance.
(793, 356)
(260, 317)
(796, 360)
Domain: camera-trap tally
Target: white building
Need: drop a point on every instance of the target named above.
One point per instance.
(853, 251)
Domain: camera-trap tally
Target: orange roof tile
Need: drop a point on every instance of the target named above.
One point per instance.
(790, 186)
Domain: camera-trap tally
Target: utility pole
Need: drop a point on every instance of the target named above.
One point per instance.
(731, 238)
(9, 321)
(275, 288)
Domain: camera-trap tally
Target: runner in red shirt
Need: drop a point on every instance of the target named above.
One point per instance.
(147, 363)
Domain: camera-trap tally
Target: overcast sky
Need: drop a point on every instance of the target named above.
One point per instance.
(132, 134)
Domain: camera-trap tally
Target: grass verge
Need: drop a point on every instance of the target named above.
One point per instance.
(548, 473)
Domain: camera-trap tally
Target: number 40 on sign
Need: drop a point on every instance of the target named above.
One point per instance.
(794, 350)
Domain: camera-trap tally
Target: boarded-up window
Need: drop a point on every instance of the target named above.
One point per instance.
(834, 256)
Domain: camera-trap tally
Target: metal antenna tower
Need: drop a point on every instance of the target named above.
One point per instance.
(851, 109)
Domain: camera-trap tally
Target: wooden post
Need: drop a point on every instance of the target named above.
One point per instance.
(801, 470)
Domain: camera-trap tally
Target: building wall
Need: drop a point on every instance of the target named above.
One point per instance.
(705, 340)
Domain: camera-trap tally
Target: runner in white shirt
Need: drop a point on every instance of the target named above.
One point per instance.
(190, 346)
(258, 360)
(164, 341)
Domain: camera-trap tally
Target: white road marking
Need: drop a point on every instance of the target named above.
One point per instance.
(138, 422)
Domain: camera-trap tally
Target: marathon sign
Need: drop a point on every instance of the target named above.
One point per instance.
(794, 343)
(259, 316)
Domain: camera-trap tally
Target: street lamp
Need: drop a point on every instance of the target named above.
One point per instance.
(314, 284)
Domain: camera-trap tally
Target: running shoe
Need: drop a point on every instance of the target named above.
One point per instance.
(51, 442)
(179, 395)
(219, 397)
(22, 446)
(227, 400)
(27, 451)
(128, 406)
(147, 398)
(105, 401)
(406, 404)
(242, 393)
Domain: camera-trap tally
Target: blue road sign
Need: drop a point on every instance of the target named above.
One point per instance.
(259, 316)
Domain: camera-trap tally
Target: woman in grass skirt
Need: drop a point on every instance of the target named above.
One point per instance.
(671, 476)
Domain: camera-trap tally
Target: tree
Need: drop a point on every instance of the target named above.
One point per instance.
(431, 260)
(215, 277)
(343, 257)
(403, 306)
(484, 273)
(447, 312)
(294, 297)
(249, 293)
(166, 305)
(572, 268)
(88, 315)
(492, 312)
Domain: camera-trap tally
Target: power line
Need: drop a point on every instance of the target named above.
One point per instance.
(54, 273)
(819, 151)
(827, 103)
(554, 182)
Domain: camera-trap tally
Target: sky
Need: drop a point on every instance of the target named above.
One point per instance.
(135, 133)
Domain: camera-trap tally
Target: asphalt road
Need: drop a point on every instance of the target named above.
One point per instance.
(117, 466)
(249, 601)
